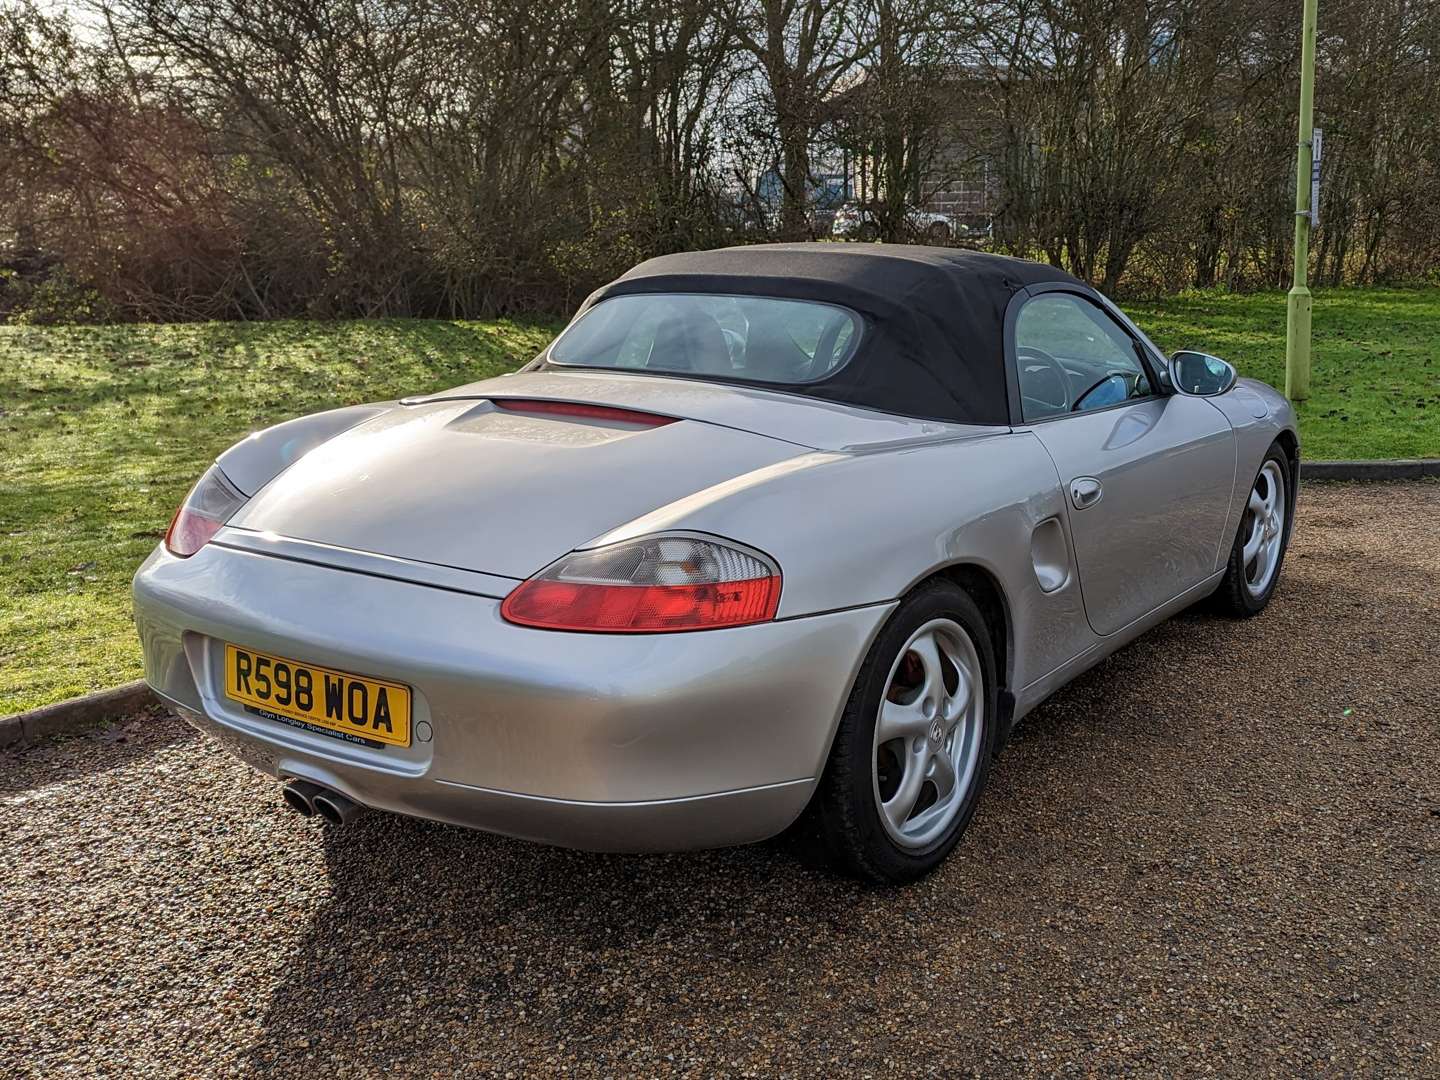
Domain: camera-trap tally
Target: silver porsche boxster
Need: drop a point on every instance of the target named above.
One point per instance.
(768, 536)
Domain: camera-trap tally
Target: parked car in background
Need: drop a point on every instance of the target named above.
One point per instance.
(770, 531)
(861, 221)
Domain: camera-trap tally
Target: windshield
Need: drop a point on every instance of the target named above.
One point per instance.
(755, 338)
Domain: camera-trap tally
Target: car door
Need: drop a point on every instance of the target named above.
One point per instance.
(1147, 474)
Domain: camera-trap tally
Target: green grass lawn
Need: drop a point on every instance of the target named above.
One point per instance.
(1375, 372)
(102, 429)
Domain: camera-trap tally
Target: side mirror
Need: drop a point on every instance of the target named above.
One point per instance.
(1200, 374)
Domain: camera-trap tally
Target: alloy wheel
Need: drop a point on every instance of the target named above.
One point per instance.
(1264, 529)
(928, 734)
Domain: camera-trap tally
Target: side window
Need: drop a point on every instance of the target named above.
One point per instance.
(1071, 356)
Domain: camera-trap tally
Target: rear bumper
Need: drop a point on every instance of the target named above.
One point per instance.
(605, 742)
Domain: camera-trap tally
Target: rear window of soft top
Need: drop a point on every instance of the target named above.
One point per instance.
(752, 338)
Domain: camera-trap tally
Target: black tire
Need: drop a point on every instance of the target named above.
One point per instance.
(1234, 596)
(938, 232)
(847, 820)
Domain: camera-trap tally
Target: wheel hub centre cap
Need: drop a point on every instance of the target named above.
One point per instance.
(937, 734)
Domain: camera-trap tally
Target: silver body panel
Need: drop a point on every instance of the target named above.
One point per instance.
(380, 540)
(463, 483)
(1163, 471)
(256, 460)
(647, 727)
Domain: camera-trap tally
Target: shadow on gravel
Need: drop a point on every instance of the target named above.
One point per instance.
(432, 929)
(1113, 872)
(127, 739)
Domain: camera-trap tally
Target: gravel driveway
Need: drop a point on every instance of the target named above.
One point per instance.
(1218, 852)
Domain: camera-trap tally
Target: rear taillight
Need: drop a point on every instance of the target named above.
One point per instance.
(660, 583)
(211, 503)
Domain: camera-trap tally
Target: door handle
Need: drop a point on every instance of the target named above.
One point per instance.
(1085, 491)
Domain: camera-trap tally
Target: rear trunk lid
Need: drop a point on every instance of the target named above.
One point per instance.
(463, 482)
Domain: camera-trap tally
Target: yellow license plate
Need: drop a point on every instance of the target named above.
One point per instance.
(365, 710)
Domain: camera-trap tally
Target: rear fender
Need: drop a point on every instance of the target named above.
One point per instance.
(260, 457)
(853, 530)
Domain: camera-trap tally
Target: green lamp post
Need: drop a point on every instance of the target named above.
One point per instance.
(1297, 323)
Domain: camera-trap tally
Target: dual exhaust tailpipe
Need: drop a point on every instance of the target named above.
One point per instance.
(308, 799)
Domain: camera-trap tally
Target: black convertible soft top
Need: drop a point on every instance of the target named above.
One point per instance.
(933, 345)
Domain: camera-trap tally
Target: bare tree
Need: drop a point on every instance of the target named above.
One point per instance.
(219, 158)
(803, 51)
